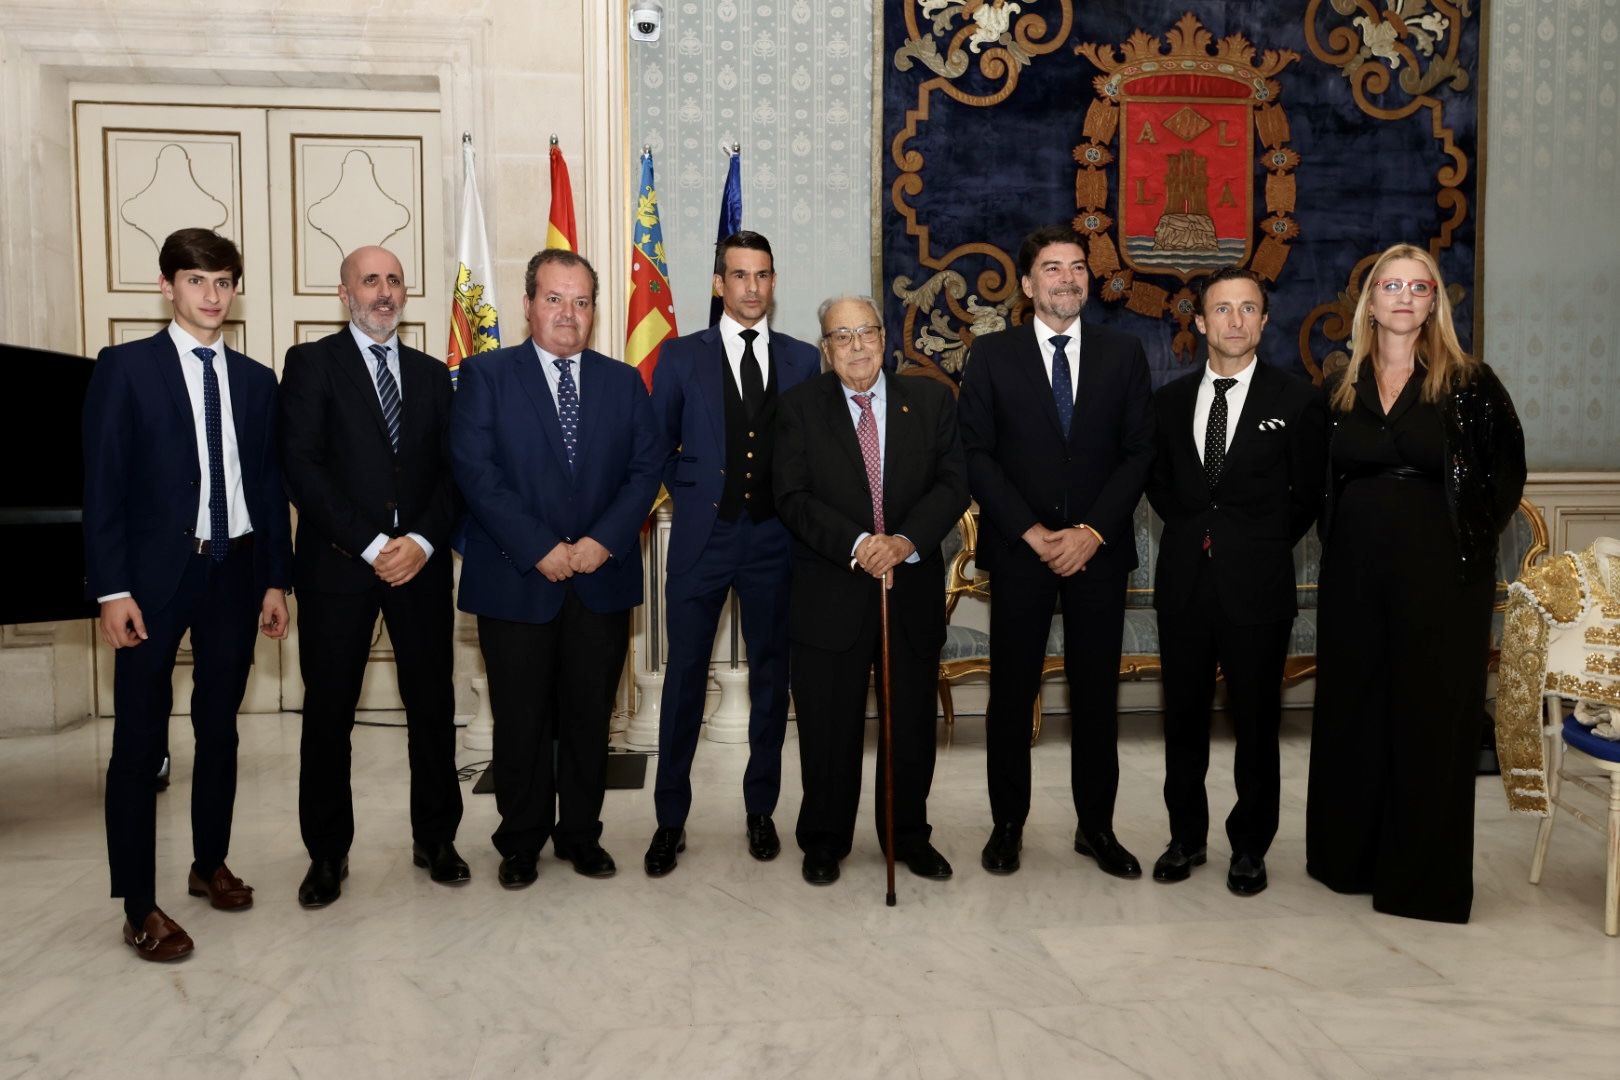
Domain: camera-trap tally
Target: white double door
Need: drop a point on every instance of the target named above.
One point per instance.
(296, 189)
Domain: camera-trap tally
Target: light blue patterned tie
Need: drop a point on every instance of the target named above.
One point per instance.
(219, 525)
(1062, 392)
(567, 409)
(388, 391)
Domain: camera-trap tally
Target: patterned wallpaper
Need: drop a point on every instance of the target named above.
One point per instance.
(1552, 225)
(791, 81)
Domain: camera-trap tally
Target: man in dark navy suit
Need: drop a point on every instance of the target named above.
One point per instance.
(1057, 426)
(715, 394)
(365, 437)
(185, 528)
(556, 452)
(1237, 479)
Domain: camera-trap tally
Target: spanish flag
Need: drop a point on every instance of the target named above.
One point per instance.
(560, 231)
(475, 325)
(651, 320)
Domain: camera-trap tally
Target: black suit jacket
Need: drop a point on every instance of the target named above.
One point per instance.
(823, 499)
(1021, 468)
(341, 471)
(1269, 492)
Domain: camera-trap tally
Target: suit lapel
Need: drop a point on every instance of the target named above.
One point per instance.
(711, 371)
(1028, 357)
(415, 399)
(533, 380)
(1185, 442)
(591, 399)
(841, 426)
(168, 363)
(1263, 389)
(356, 368)
(1085, 385)
(244, 416)
(898, 433)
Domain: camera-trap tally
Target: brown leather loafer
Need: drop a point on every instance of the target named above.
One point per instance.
(225, 891)
(160, 938)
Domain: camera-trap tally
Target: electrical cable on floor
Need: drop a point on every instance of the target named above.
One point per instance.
(467, 772)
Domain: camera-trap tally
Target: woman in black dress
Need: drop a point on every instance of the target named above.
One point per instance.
(1426, 466)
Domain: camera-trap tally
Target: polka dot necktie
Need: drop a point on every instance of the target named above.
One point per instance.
(567, 409)
(1215, 432)
(866, 434)
(1062, 392)
(388, 392)
(219, 525)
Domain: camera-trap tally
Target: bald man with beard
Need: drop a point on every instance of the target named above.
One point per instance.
(365, 426)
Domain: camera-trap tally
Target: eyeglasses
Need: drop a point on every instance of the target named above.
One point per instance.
(843, 337)
(1395, 286)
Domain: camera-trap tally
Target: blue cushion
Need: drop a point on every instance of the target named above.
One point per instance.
(1577, 736)
(965, 643)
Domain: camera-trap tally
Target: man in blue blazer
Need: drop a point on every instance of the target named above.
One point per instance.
(555, 450)
(185, 528)
(714, 394)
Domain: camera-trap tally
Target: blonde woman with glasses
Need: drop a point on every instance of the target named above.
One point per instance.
(1426, 466)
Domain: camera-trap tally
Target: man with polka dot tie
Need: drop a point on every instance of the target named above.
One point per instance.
(185, 529)
(555, 450)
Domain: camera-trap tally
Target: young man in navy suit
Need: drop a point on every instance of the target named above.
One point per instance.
(556, 453)
(715, 395)
(1237, 479)
(185, 528)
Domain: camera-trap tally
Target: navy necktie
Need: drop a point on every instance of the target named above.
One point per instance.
(1062, 392)
(388, 392)
(567, 409)
(219, 522)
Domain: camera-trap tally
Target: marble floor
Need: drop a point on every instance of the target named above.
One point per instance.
(733, 968)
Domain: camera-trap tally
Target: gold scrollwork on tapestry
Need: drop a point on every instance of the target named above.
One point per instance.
(1175, 107)
(1603, 635)
(1337, 318)
(944, 36)
(1573, 686)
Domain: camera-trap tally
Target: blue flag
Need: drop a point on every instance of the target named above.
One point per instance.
(730, 217)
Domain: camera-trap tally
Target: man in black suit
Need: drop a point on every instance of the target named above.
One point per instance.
(1057, 424)
(365, 427)
(869, 478)
(1237, 479)
(185, 528)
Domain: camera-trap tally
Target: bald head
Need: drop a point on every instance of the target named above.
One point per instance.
(372, 285)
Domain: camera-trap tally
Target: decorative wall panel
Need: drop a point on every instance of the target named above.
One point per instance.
(160, 181)
(350, 191)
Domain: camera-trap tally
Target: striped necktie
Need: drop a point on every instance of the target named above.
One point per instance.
(388, 392)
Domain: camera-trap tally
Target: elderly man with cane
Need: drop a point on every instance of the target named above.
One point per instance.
(869, 478)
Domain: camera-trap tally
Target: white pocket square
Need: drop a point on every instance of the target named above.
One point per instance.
(1273, 424)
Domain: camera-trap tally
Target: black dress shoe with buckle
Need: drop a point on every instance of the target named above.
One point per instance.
(1000, 855)
(925, 861)
(1111, 857)
(324, 882)
(763, 843)
(1247, 875)
(589, 858)
(442, 862)
(660, 857)
(1177, 862)
(518, 871)
(820, 867)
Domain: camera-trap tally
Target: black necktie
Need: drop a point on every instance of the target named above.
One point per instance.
(1062, 392)
(388, 392)
(1215, 432)
(219, 523)
(753, 383)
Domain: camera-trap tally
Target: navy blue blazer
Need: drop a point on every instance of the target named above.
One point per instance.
(506, 455)
(142, 479)
(689, 400)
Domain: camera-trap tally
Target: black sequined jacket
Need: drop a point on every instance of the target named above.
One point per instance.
(1485, 468)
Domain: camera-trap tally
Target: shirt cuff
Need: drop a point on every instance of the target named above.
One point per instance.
(113, 596)
(421, 542)
(373, 549)
(915, 556)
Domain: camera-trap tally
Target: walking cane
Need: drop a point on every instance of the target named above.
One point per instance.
(887, 729)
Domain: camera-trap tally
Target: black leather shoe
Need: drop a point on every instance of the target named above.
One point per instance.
(925, 861)
(442, 862)
(660, 857)
(1000, 855)
(589, 859)
(518, 871)
(1111, 857)
(1247, 875)
(324, 882)
(1177, 862)
(820, 867)
(763, 843)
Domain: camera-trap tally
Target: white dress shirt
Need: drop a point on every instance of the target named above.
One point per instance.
(1071, 349)
(553, 376)
(880, 413)
(364, 342)
(731, 337)
(1235, 396)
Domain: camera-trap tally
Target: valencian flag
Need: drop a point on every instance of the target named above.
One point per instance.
(560, 230)
(651, 320)
(474, 320)
(730, 216)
